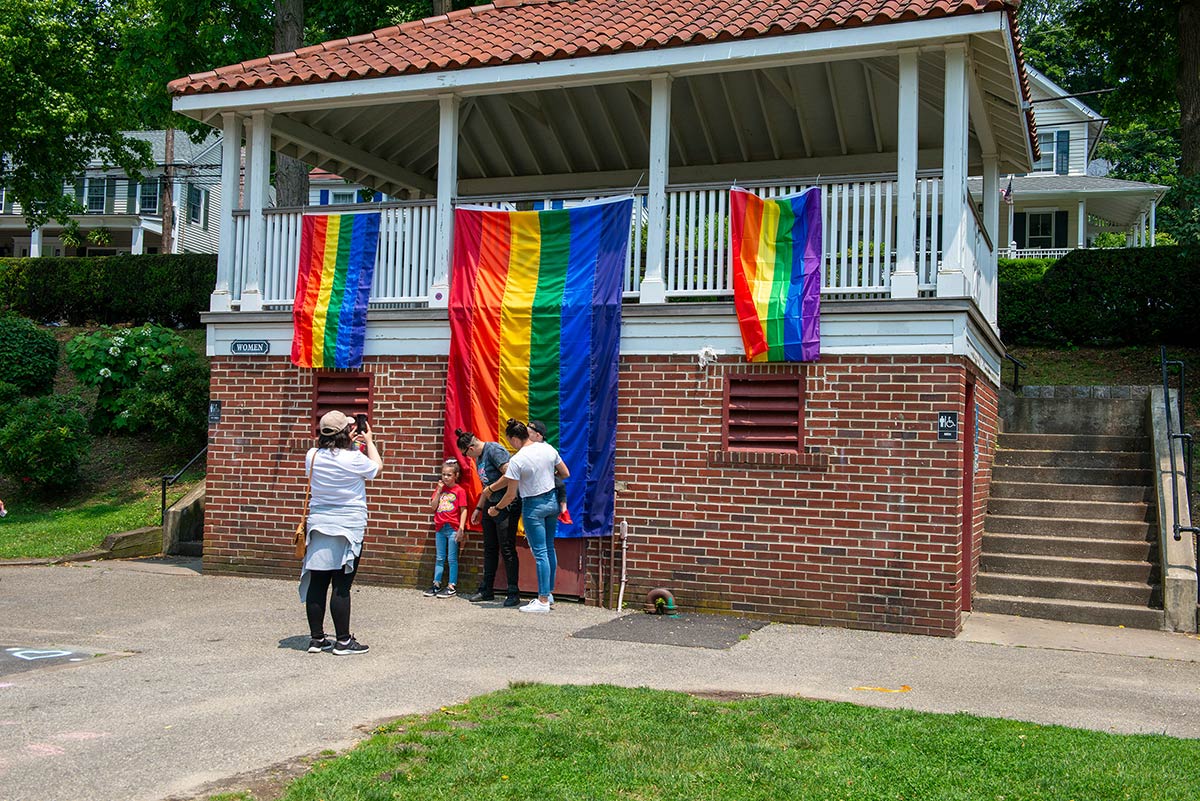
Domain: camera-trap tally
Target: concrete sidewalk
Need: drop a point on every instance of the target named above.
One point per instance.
(213, 685)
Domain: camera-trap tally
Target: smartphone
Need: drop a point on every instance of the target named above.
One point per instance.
(360, 422)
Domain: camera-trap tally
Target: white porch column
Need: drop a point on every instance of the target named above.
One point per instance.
(1082, 227)
(447, 191)
(904, 280)
(1153, 222)
(991, 225)
(231, 166)
(653, 288)
(258, 180)
(1141, 230)
(35, 243)
(1012, 235)
(950, 279)
(137, 240)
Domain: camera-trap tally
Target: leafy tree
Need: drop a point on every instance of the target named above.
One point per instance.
(64, 101)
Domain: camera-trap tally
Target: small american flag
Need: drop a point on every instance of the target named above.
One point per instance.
(1006, 193)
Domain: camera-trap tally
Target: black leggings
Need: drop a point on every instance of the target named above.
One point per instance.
(339, 604)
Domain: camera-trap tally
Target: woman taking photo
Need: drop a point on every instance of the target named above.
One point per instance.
(530, 474)
(499, 530)
(337, 519)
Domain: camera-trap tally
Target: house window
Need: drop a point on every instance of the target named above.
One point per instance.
(195, 204)
(95, 195)
(764, 412)
(1062, 152)
(148, 199)
(343, 198)
(1040, 231)
(349, 392)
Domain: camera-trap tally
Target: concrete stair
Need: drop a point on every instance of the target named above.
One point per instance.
(1070, 533)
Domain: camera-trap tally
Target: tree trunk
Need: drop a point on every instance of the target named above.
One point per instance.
(291, 175)
(441, 7)
(1187, 86)
(168, 193)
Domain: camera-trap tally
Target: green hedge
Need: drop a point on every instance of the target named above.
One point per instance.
(1128, 296)
(169, 290)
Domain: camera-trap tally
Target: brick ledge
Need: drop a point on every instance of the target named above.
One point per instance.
(800, 461)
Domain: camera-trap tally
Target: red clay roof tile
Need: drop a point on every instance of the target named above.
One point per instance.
(522, 31)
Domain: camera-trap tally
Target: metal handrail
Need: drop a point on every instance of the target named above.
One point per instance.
(170, 480)
(1186, 440)
(1017, 365)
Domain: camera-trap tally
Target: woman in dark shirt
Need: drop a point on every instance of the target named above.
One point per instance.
(499, 531)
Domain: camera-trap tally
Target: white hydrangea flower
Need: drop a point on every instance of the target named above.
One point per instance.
(118, 341)
(124, 413)
(133, 362)
(114, 351)
(105, 372)
(166, 368)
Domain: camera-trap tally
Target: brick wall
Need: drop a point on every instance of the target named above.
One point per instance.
(863, 530)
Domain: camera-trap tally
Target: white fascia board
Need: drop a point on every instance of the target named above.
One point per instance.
(585, 70)
(1055, 91)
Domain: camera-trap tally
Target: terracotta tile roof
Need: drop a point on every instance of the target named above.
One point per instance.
(523, 31)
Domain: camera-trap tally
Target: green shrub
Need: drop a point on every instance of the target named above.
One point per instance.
(1131, 296)
(9, 394)
(166, 289)
(171, 402)
(43, 442)
(28, 355)
(114, 360)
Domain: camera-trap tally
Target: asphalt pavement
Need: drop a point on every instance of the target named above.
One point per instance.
(144, 679)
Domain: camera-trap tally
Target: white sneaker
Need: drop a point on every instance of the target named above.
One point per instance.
(550, 599)
(536, 606)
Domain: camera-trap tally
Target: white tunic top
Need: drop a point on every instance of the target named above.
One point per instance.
(533, 468)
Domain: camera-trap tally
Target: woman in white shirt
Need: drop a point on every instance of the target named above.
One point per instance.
(337, 520)
(530, 474)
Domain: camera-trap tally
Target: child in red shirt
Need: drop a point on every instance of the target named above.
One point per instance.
(449, 507)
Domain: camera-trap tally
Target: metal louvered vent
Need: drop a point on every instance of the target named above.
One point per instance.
(764, 412)
(348, 392)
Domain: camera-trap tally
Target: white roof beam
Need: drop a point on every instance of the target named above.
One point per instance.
(872, 108)
(704, 130)
(762, 104)
(584, 128)
(837, 109)
(606, 115)
(292, 131)
(733, 120)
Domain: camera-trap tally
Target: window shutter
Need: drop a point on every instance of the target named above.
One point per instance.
(378, 197)
(764, 412)
(110, 194)
(324, 197)
(79, 190)
(1060, 229)
(130, 196)
(1019, 228)
(1062, 152)
(350, 392)
(207, 208)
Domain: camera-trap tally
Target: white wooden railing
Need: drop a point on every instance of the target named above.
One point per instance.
(858, 218)
(1033, 253)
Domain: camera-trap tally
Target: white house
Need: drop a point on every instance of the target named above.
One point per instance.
(327, 189)
(870, 514)
(129, 212)
(1060, 205)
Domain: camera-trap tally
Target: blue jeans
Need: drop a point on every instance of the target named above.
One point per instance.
(540, 514)
(447, 551)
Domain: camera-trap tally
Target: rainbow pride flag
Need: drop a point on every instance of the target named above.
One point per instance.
(333, 288)
(535, 332)
(775, 250)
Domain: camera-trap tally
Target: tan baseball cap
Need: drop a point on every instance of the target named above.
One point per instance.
(334, 422)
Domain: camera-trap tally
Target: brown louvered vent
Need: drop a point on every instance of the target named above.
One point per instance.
(348, 392)
(764, 412)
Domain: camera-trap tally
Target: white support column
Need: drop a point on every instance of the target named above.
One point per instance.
(991, 224)
(950, 279)
(1012, 234)
(231, 167)
(258, 180)
(1141, 230)
(137, 240)
(1081, 238)
(653, 288)
(904, 280)
(35, 243)
(1153, 221)
(447, 192)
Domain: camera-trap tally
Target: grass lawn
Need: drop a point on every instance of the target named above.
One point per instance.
(119, 489)
(603, 742)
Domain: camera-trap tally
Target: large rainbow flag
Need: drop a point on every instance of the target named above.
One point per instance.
(535, 331)
(775, 250)
(333, 288)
